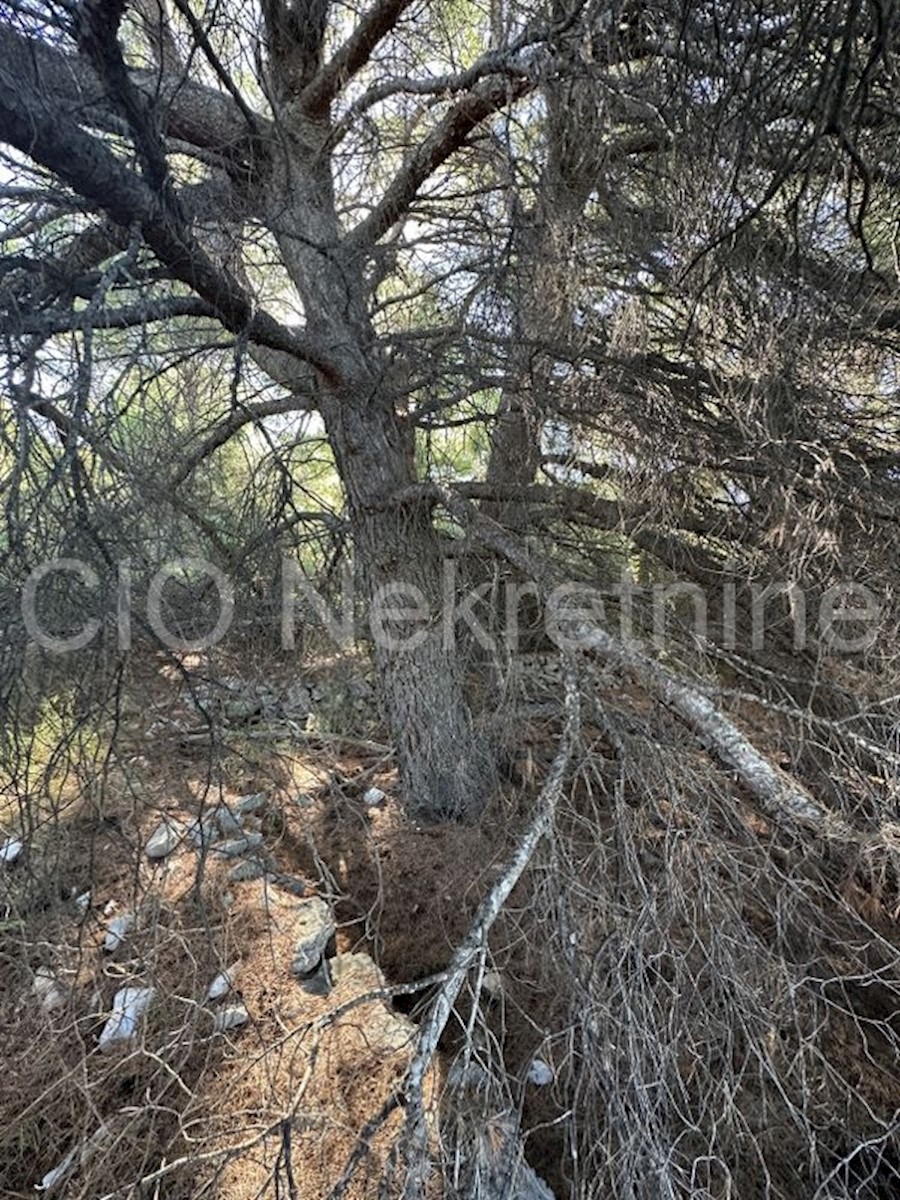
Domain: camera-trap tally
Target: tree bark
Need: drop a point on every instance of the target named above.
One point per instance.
(445, 767)
(543, 243)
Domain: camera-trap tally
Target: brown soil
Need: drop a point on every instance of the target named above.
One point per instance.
(280, 1103)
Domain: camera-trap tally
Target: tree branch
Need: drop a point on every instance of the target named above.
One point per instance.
(450, 133)
(352, 56)
(232, 424)
(254, 121)
(56, 274)
(50, 322)
(158, 30)
(52, 139)
(197, 115)
(602, 513)
(69, 427)
(98, 29)
(432, 1027)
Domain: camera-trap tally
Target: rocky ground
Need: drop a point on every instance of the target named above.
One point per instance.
(222, 942)
(213, 990)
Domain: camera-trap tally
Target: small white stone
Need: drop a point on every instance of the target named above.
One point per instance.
(232, 1017)
(129, 1005)
(223, 982)
(83, 903)
(251, 804)
(117, 930)
(235, 847)
(374, 797)
(202, 832)
(228, 821)
(51, 994)
(539, 1073)
(493, 984)
(164, 839)
(10, 850)
(59, 1172)
(315, 926)
(246, 871)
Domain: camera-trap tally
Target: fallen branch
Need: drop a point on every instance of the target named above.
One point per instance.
(780, 796)
(364, 1144)
(838, 727)
(414, 1138)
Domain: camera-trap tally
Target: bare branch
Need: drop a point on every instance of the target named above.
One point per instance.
(98, 28)
(353, 55)
(449, 135)
(88, 166)
(195, 114)
(254, 121)
(233, 424)
(69, 427)
(473, 944)
(51, 322)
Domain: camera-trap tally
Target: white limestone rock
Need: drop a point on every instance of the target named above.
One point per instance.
(315, 927)
(164, 839)
(52, 995)
(223, 982)
(129, 1005)
(232, 1017)
(374, 797)
(235, 847)
(117, 930)
(10, 850)
(539, 1073)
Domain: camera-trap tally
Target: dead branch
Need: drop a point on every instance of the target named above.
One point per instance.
(781, 797)
(414, 1137)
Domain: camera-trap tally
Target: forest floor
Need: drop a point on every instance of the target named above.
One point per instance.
(280, 1102)
(279, 1106)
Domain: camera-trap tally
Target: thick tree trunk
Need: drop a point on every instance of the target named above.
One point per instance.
(544, 243)
(445, 768)
(515, 453)
(544, 308)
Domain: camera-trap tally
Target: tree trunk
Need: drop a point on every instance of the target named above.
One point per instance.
(544, 308)
(515, 453)
(445, 768)
(544, 241)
